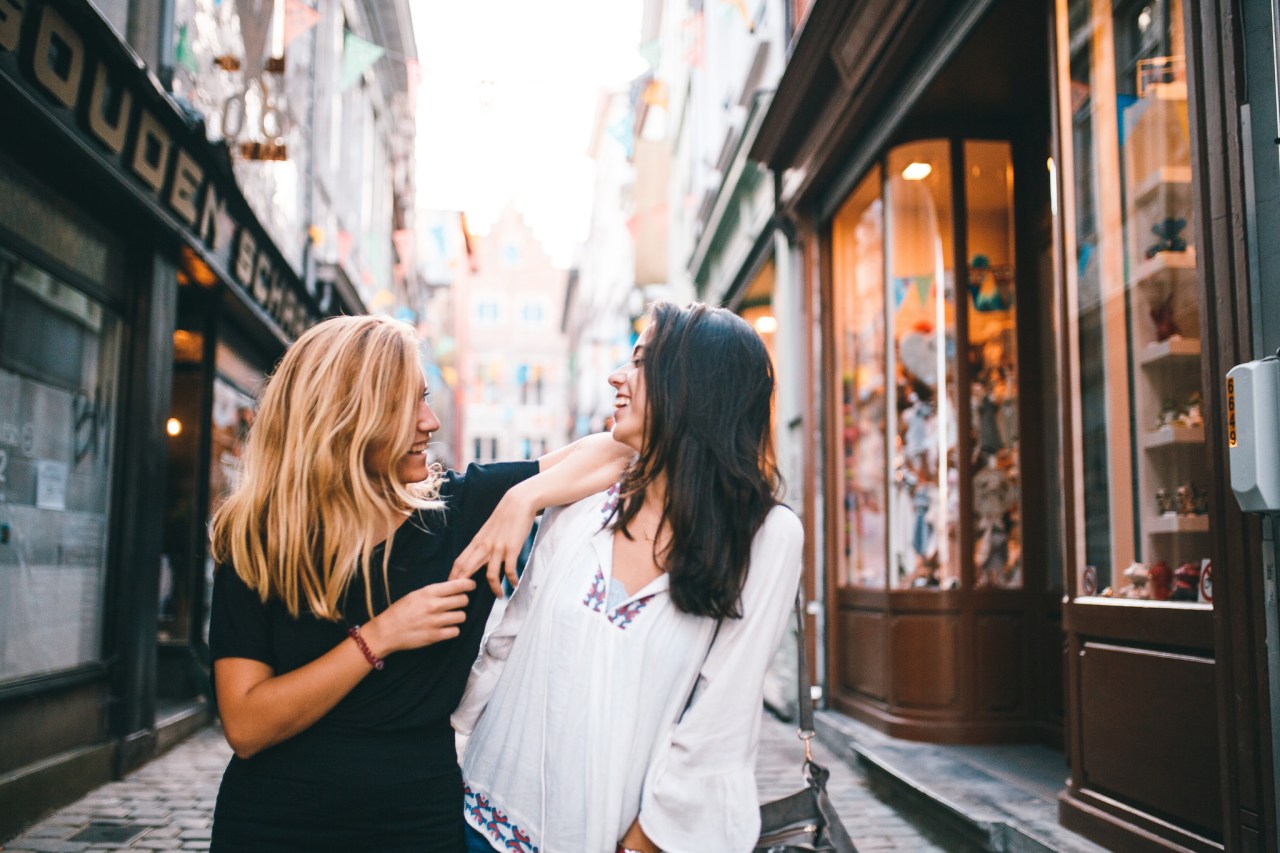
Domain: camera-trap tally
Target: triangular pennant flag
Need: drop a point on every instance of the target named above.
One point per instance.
(437, 234)
(741, 6)
(344, 246)
(651, 52)
(621, 130)
(357, 55)
(924, 283)
(255, 24)
(655, 94)
(899, 292)
(413, 79)
(402, 238)
(695, 40)
(182, 52)
(298, 18)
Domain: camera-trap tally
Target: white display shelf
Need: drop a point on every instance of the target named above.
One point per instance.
(1176, 267)
(1171, 436)
(1174, 349)
(1166, 523)
(1172, 179)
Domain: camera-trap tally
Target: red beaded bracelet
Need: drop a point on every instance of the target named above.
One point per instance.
(376, 662)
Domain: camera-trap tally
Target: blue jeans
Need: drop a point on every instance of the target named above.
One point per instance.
(477, 843)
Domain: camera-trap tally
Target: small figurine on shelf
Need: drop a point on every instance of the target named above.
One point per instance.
(1186, 583)
(1137, 575)
(1169, 414)
(1164, 502)
(1169, 230)
(1184, 504)
(1161, 580)
(1199, 500)
(1191, 416)
(1162, 316)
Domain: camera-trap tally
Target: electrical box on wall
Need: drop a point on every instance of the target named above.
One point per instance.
(1253, 434)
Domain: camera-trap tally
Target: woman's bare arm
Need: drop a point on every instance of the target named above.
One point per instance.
(260, 709)
(586, 466)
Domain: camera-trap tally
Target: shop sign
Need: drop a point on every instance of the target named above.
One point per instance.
(117, 107)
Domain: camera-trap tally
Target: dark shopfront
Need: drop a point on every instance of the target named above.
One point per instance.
(140, 304)
(1024, 322)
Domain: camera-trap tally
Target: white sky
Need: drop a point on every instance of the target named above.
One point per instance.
(508, 98)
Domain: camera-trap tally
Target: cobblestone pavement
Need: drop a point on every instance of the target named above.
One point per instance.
(169, 802)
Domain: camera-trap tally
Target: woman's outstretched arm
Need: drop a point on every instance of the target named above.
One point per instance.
(585, 467)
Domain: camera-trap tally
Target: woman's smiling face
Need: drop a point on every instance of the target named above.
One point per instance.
(629, 404)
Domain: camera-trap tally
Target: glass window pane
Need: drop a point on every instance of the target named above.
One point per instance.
(993, 365)
(1135, 303)
(925, 491)
(858, 275)
(57, 424)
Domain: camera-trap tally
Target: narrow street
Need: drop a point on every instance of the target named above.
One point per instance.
(168, 804)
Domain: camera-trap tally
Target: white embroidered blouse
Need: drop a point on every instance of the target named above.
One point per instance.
(574, 709)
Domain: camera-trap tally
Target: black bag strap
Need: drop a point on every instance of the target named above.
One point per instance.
(804, 695)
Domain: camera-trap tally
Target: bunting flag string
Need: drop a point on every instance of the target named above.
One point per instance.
(695, 40)
(357, 55)
(651, 52)
(741, 6)
(183, 54)
(298, 19)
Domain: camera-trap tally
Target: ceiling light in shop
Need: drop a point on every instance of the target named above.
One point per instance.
(766, 324)
(173, 426)
(916, 171)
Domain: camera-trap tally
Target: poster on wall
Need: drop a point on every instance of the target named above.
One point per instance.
(51, 484)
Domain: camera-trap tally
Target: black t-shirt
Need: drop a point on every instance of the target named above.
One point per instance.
(418, 688)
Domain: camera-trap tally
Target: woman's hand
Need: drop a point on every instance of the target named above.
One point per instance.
(425, 616)
(496, 547)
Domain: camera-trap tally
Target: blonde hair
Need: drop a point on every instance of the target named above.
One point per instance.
(308, 511)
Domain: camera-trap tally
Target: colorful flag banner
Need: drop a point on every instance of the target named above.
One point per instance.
(923, 283)
(402, 239)
(622, 131)
(298, 18)
(741, 6)
(413, 79)
(357, 55)
(651, 52)
(695, 40)
(182, 53)
(655, 94)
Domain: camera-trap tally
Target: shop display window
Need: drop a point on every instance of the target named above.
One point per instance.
(858, 266)
(59, 368)
(1142, 519)
(914, 444)
(924, 486)
(993, 365)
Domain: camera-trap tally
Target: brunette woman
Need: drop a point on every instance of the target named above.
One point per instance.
(340, 646)
(617, 704)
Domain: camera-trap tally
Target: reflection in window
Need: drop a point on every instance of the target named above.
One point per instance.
(858, 273)
(993, 365)
(925, 493)
(1140, 436)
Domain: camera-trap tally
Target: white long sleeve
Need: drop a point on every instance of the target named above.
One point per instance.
(700, 790)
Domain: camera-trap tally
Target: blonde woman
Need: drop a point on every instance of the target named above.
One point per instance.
(340, 646)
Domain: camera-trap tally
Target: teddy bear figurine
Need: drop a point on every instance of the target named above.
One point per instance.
(1169, 230)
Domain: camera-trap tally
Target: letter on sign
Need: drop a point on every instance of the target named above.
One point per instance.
(244, 257)
(187, 176)
(58, 59)
(10, 24)
(111, 135)
(151, 151)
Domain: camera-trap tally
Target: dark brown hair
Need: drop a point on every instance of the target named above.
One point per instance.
(709, 432)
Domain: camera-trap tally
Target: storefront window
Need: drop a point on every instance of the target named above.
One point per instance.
(1134, 304)
(925, 487)
(858, 270)
(993, 365)
(59, 363)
